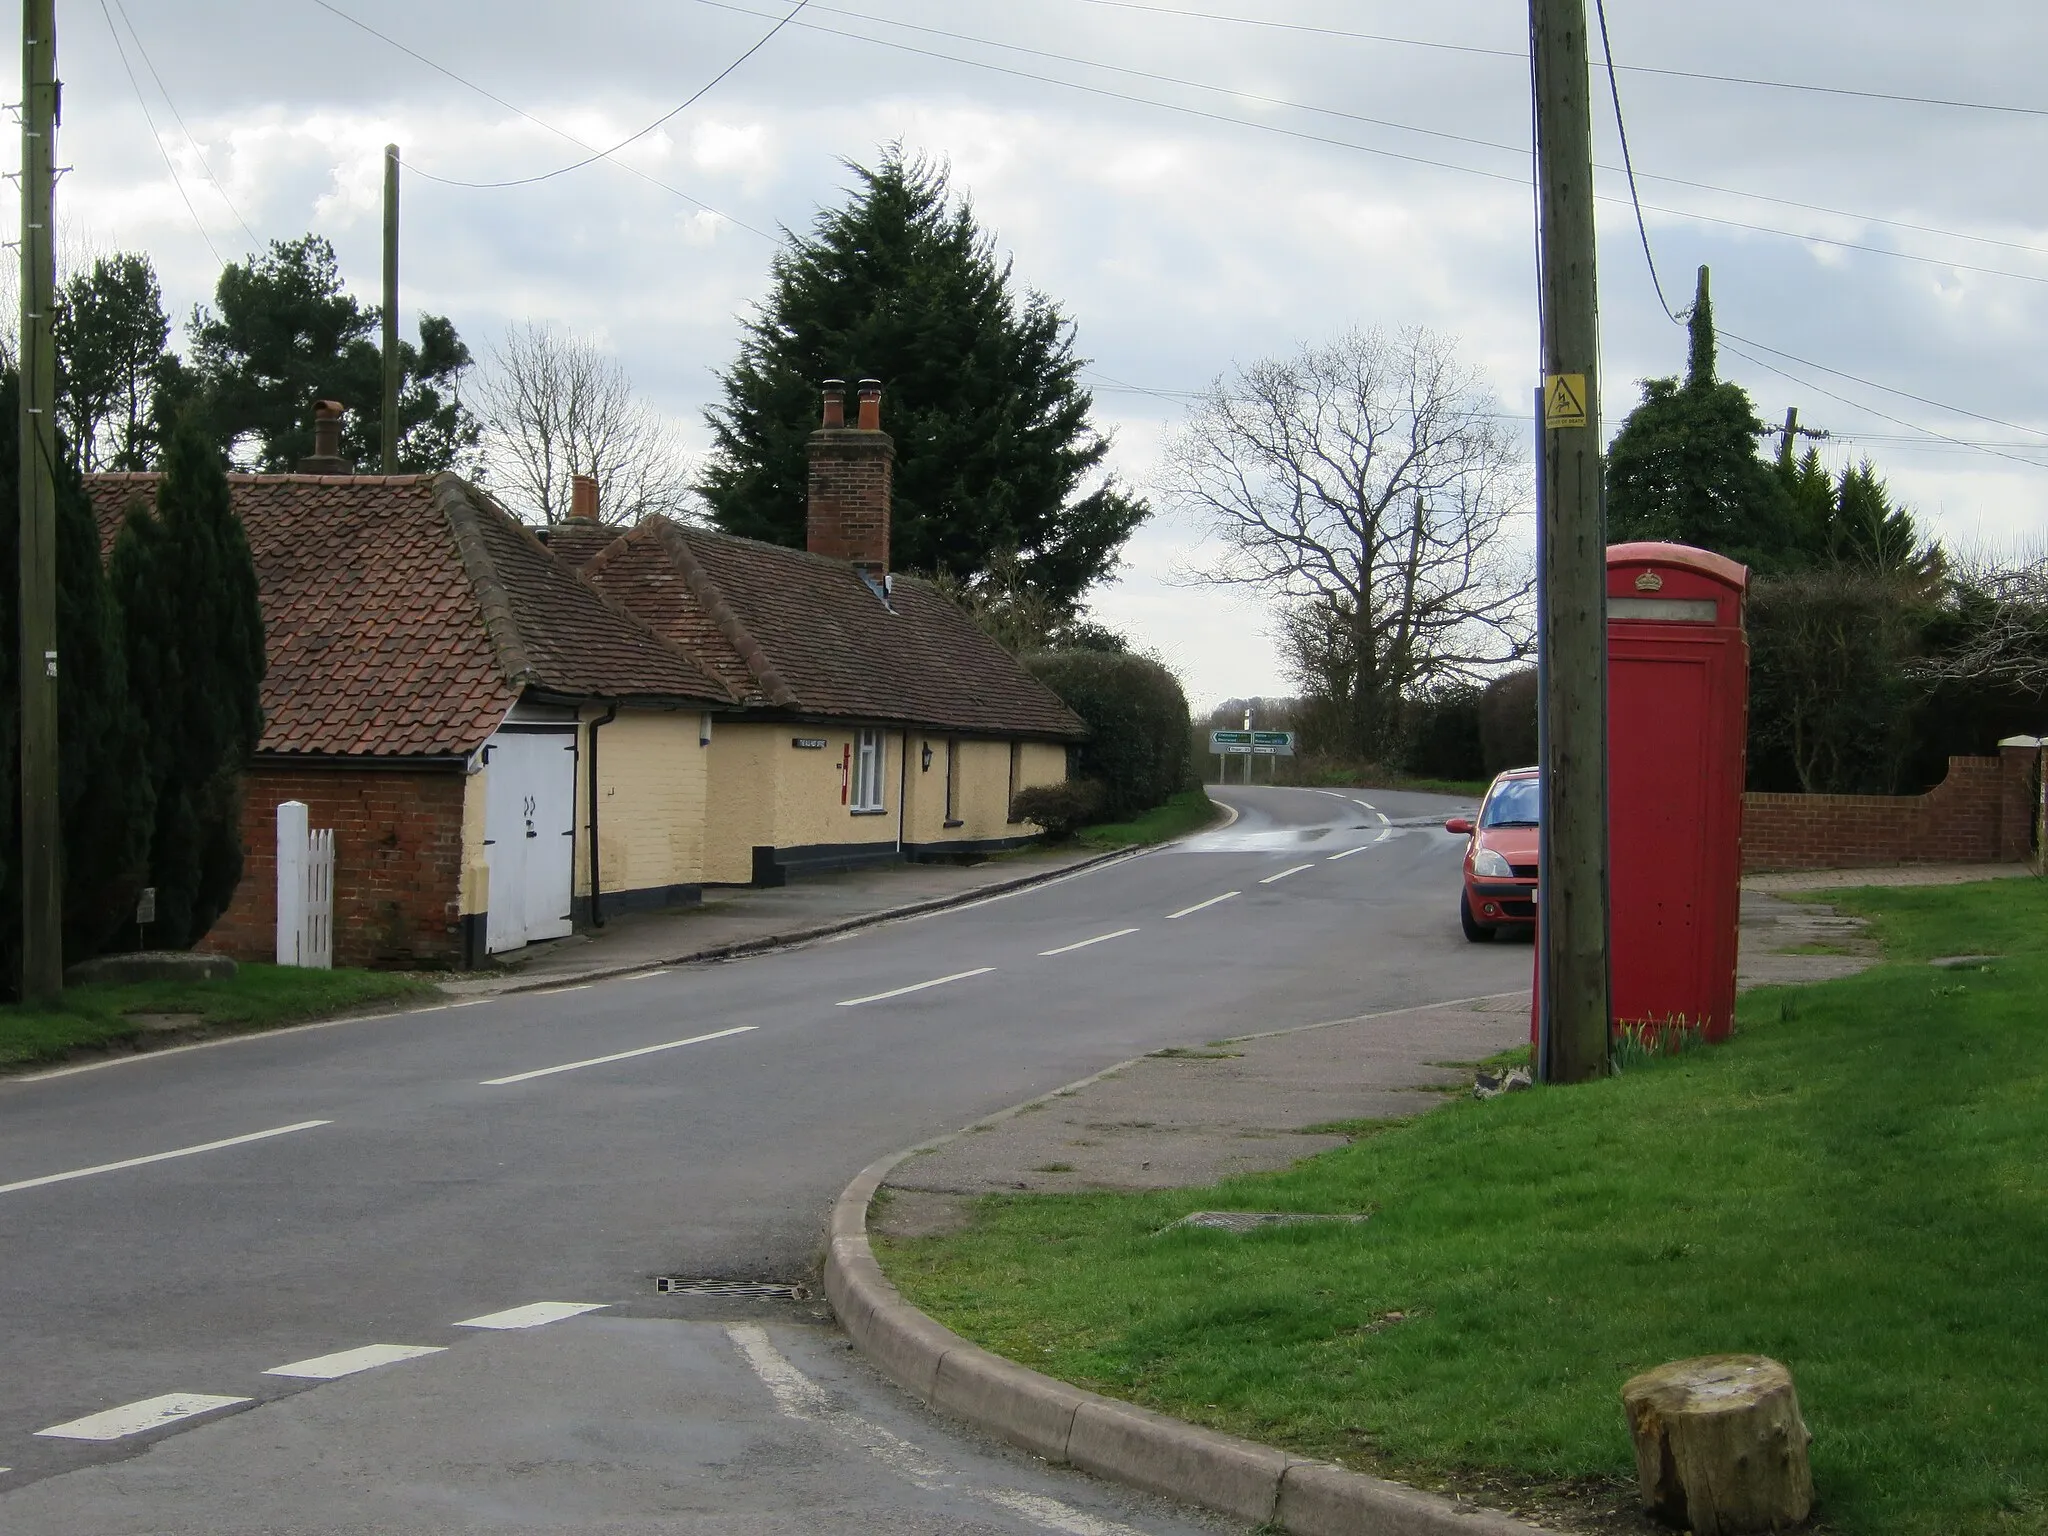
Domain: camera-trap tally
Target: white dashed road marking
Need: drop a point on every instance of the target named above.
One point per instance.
(1285, 873)
(348, 1361)
(581, 986)
(798, 1397)
(160, 1157)
(1100, 938)
(598, 1061)
(936, 981)
(535, 1315)
(1198, 906)
(137, 1418)
(1366, 803)
(1333, 858)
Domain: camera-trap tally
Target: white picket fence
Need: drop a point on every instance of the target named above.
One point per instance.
(305, 890)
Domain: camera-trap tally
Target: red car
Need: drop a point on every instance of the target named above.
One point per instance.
(1500, 858)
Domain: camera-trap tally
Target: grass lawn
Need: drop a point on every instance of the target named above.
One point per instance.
(1856, 1185)
(1188, 811)
(256, 997)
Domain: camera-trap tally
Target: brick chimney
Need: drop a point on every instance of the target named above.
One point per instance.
(850, 476)
(326, 459)
(583, 498)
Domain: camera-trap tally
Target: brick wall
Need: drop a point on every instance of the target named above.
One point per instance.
(397, 864)
(849, 487)
(1982, 813)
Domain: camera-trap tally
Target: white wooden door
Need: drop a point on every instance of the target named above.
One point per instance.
(529, 836)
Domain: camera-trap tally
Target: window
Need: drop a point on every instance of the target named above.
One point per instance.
(1514, 803)
(869, 758)
(952, 782)
(1016, 776)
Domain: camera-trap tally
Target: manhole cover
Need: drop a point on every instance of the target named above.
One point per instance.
(1250, 1221)
(754, 1290)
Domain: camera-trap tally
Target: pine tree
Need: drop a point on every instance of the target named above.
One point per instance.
(991, 425)
(1685, 468)
(105, 801)
(195, 638)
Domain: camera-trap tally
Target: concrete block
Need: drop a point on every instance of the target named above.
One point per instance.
(150, 965)
(1321, 1500)
(1007, 1400)
(901, 1341)
(1180, 1461)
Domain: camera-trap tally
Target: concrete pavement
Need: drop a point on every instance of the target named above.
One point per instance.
(417, 1171)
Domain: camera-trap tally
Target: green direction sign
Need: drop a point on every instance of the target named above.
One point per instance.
(1273, 743)
(1231, 743)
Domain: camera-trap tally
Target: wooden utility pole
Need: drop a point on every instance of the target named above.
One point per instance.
(1573, 643)
(42, 892)
(389, 457)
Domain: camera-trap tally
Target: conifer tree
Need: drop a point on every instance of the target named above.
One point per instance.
(195, 639)
(105, 804)
(994, 448)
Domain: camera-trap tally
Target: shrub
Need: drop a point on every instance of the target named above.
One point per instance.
(1137, 720)
(1507, 721)
(1440, 734)
(1062, 809)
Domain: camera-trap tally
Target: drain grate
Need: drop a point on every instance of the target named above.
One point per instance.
(1249, 1221)
(752, 1290)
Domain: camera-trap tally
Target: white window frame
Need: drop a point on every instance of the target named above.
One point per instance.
(870, 765)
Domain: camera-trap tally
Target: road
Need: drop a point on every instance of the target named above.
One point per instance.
(387, 1190)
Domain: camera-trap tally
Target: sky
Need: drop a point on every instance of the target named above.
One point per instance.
(1197, 185)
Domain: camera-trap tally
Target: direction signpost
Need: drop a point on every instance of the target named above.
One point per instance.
(1248, 745)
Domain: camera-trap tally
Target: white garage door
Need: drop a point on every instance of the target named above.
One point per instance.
(529, 835)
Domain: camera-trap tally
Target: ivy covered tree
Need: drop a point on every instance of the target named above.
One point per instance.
(1685, 467)
(995, 452)
(194, 631)
(104, 793)
(284, 331)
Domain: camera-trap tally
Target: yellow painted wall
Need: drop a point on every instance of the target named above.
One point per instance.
(982, 801)
(476, 866)
(651, 801)
(740, 810)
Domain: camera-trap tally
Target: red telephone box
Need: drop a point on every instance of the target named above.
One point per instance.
(1677, 729)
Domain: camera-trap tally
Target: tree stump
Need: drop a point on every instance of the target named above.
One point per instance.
(1720, 1446)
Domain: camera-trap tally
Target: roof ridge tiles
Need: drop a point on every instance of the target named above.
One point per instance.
(720, 612)
(502, 625)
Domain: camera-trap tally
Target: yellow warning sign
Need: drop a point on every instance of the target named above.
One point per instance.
(1564, 400)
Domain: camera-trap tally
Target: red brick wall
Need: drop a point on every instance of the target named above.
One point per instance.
(1982, 813)
(850, 473)
(397, 864)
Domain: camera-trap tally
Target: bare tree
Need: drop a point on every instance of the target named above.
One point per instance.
(1999, 631)
(555, 407)
(1366, 484)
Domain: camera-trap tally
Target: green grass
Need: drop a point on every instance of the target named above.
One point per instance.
(1188, 811)
(1856, 1185)
(255, 997)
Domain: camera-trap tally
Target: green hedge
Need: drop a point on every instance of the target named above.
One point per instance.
(1137, 718)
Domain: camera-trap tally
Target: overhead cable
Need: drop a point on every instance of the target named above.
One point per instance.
(157, 138)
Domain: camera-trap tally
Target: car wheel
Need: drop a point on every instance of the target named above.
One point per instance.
(1478, 933)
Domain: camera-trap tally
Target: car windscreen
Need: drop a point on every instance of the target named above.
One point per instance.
(1514, 803)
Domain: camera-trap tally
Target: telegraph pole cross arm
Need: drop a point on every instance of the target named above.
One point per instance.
(1572, 645)
(42, 894)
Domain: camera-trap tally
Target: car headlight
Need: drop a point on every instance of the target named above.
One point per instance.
(1489, 865)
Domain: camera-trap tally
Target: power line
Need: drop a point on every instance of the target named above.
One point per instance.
(1640, 69)
(157, 138)
(1628, 161)
(1367, 149)
(519, 111)
(1939, 405)
(604, 154)
(150, 64)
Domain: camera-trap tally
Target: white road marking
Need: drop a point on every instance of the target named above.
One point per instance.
(137, 1418)
(936, 981)
(469, 1002)
(1383, 818)
(160, 1157)
(534, 1315)
(1333, 858)
(1366, 803)
(348, 1361)
(1285, 873)
(798, 1397)
(1100, 938)
(643, 975)
(1389, 832)
(581, 986)
(1198, 906)
(598, 1061)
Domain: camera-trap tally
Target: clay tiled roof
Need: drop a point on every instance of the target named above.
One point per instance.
(576, 544)
(803, 633)
(406, 614)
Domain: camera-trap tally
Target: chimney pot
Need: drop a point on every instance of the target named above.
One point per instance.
(583, 499)
(835, 402)
(871, 405)
(850, 475)
(326, 458)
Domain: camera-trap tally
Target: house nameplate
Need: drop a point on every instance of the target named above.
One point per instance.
(809, 743)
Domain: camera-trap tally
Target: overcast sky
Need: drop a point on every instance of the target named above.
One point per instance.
(1270, 185)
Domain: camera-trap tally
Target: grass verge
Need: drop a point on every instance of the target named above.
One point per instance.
(103, 1016)
(1855, 1185)
(1188, 811)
